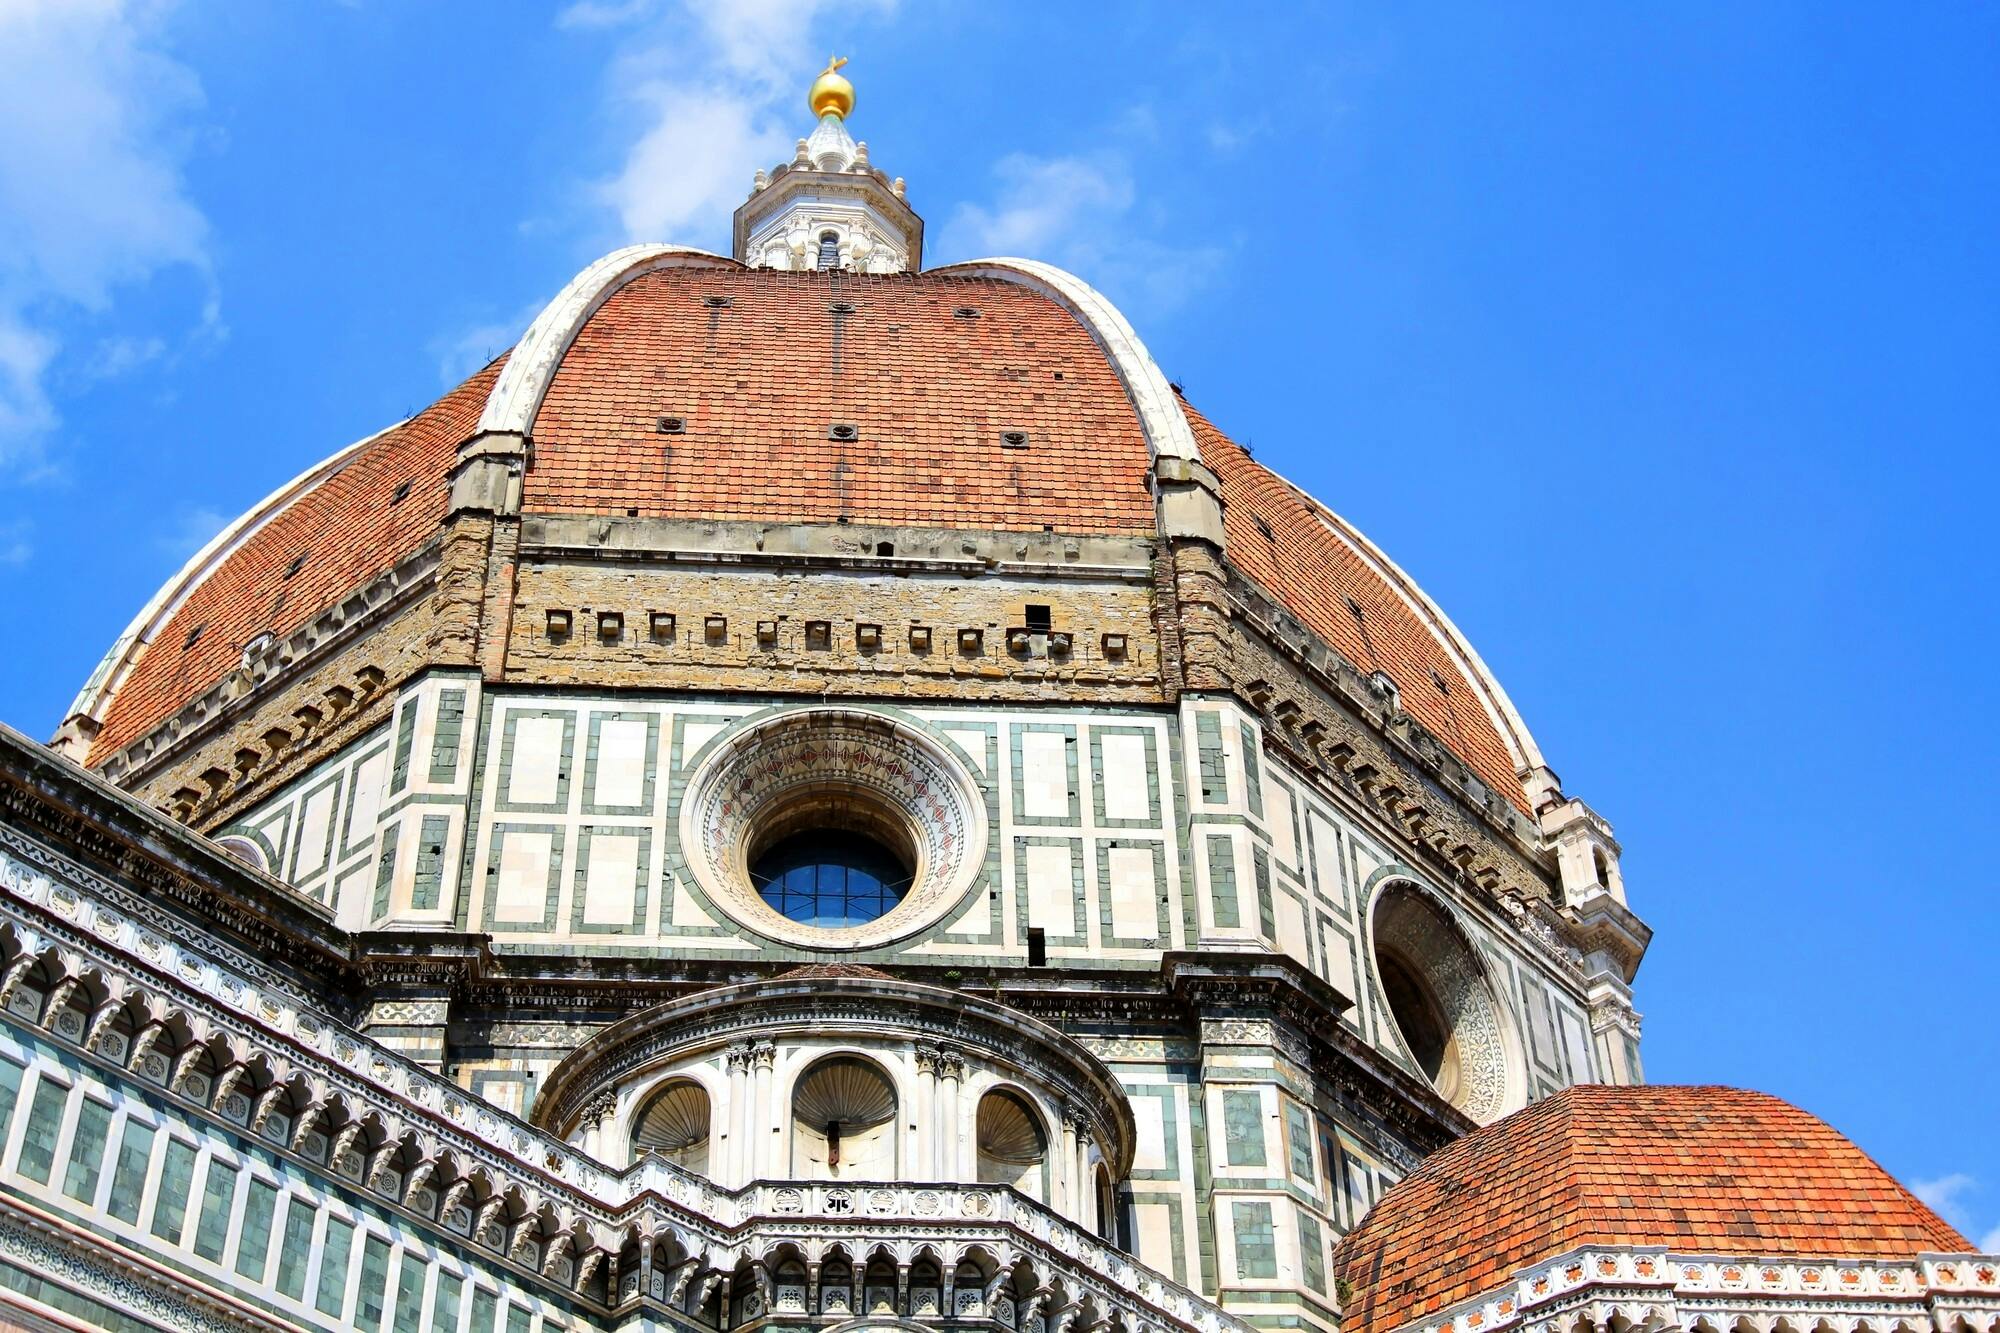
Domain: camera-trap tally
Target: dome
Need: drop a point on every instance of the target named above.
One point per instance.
(1003, 396)
(1700, 1170)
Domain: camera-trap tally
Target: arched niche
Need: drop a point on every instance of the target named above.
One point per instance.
(1107, 1205)
(1010, 1145)
(674, 1123)
(844, 1121)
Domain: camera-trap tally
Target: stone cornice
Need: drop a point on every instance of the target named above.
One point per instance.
(838, 547)
(1209, 980)
(267, 670)
(1216, 984)
(1325, 667)
(167, 863)
(125, 1278)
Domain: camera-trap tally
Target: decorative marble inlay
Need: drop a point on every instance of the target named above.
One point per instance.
(884, 768)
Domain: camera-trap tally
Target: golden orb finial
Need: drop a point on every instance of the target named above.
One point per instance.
(830, 93)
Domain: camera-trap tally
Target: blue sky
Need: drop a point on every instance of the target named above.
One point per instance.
(1658, 342)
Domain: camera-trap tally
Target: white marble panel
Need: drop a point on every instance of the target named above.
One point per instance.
(1292, 928)
(534, 777)
(1278, 818)
(1125, 791)
(621, 761)
(368, 780)
(1133, 915)
(1044, 775)
(522, 892)
(611, 878)
(314, 820)
(1149, 1152)
(1052, 889)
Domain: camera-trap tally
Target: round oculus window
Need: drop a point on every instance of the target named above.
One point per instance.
(833, 828)
(1440, 1003)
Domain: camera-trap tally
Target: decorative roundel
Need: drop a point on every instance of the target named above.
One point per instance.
(843, 772)
(1441, 1004)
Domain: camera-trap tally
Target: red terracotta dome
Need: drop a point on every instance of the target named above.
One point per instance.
(666, 383)
(1702, 1170)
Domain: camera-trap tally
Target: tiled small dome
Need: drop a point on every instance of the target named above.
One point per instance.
(1701, 1170)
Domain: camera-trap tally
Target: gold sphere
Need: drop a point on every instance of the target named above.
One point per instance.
(830, 93)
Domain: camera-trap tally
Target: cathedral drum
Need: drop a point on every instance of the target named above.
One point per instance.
(846, 1077)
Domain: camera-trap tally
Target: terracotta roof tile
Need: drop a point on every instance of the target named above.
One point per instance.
(759, 383)
(1699, 1169)
(1277, 538)
(758, 365)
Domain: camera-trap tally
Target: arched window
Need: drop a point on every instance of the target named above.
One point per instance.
(844, 1122)
(836, 1285)
(1107, 1207)
(830, 877)
(675, 1125)
(1011, 1146)
(926, 1288)
(878, 1286)
(829, 250)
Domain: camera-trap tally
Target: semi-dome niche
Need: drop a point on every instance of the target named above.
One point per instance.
(1439, 1003)
(833, 828)
(842, 1073)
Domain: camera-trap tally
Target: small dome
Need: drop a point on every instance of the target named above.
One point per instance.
(1705, 1170)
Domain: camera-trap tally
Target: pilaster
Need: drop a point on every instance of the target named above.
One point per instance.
(1266, 1226)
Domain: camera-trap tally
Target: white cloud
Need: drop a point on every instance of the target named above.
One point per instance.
(92, 135)
(704, 93)
(458, 355)
(17, 542)
(1943, 1194)
(1947, 1195)
(690, 168)
(1080, 213)
(24, 406)
(602, 13)
(190, 532)
(1050, 203)
(1228, 138)
(122, 355)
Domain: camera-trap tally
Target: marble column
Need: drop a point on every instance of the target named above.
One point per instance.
(927, 1158)
(760, 1146)
(736, 1158)
(950, 1135)
(1065, 1176)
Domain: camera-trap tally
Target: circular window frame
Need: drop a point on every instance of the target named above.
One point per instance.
(880, 774)
(1486, 1078)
